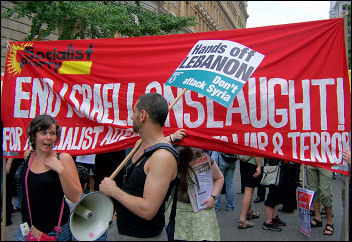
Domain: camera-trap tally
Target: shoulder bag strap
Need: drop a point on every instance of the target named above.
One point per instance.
(26, 186)
(58, 227)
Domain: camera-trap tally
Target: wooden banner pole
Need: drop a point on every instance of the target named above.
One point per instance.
(347, 194)
(139, 142)
(303, 176)
(347, 202)
(3, 229)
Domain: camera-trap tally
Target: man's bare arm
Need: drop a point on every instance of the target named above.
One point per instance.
(161, 169)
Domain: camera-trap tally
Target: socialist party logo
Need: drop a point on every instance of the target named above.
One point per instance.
(68, 61)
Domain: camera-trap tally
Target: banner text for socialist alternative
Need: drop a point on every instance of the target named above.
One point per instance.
(296, 105)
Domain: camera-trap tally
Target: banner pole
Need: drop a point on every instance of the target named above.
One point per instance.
(347, 199)
(127, 158)
(347, 194)
(139, 142)
(3, 227)
(303, 178)
(3, 199)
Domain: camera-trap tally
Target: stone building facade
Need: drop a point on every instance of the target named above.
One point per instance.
(210, 16)
(337, 8)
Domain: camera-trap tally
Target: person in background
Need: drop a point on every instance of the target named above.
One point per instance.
(201, 225)
(242, 176)
(105, 164)
(261, 191)
(319, 180)
(177, 136)
(149, 180)
(11, 186)
(83, 174)
(87, 161)
(227, 164)
(274, 198)
(46, 178)
(19, 188)
(253, 171)
(346, 155)
(290, 180)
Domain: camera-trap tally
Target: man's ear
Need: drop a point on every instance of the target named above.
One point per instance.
(142, 115)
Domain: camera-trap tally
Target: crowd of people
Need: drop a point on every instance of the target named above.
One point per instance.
(141, 192)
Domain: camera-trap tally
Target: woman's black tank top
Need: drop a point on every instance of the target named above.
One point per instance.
(45, 200)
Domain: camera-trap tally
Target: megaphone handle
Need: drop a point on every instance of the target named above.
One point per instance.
(137, 145)
(139, 142)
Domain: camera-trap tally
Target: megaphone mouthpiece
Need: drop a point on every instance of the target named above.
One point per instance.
(91, 216)
(84, 212)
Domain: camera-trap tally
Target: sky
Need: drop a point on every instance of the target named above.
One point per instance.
(265, 13)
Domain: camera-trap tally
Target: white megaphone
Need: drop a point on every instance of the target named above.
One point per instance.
(91, 216)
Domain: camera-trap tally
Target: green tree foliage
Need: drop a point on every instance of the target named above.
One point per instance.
(94, 19)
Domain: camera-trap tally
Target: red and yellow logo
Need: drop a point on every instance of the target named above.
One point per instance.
(69, 61)
(14, 65)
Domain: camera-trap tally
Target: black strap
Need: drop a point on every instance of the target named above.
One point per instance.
(148, 152)
(174, 202)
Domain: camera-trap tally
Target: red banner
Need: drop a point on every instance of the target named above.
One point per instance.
(296, 105)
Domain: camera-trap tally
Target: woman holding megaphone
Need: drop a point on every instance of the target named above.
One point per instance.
(46, 178)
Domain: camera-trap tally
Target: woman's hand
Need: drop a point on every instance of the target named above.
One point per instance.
(178, 135)
(347, 156)
(54, 163)
(209, 202)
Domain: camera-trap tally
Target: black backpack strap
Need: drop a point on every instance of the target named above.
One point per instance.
(150, 150)
(174, 202)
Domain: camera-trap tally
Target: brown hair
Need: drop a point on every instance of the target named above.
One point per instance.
(40, 123)
(186, 155)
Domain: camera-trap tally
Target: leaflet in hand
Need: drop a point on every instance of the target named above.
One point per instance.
(205, 179)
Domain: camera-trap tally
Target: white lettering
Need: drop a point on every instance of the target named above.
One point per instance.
(98, 105)
(263, 121)
(200, 111)
(49, 110)
(322, 83)
(278, 140)
(20, 95)
(305, 106)
(271, 102)
(115, 102)
(106, 102)
(42, 93)
(211, 123)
